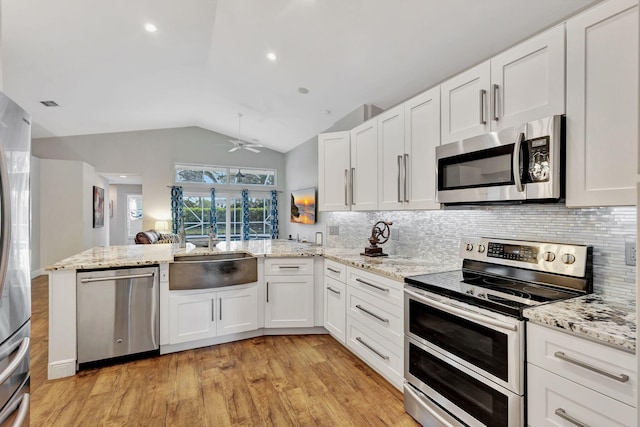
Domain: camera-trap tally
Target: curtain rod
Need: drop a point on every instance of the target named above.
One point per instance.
(277, 191)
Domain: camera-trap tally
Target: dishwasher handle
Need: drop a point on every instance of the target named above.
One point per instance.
(106, 279)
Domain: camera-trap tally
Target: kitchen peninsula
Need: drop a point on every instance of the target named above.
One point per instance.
(62, 289)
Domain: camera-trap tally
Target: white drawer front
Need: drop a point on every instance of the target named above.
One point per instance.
(379, 315)
(549, 393)
(382, 287)
(335, 270)
(335, 310)
(376, 351)
(550, 349)
(288, 266)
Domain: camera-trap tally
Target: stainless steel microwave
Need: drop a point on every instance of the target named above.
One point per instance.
(522, 163)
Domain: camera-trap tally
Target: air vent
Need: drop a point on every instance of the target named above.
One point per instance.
(49, 103)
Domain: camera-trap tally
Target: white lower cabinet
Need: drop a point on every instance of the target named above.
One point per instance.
(375, 322)
(195, 315)
(573, 381)
(289, 301)
(335, 308)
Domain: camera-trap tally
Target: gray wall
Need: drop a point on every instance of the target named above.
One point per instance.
(435, 235)
(152, 155)
(65, 214)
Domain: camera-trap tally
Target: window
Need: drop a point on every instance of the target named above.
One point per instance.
(233, 176)
(228, 210)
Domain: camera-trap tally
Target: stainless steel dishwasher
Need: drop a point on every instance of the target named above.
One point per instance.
(117, 312)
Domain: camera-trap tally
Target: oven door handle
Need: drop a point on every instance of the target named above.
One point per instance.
(427, 408)
(464, 313)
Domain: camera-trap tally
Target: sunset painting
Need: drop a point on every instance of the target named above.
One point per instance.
(303, 206)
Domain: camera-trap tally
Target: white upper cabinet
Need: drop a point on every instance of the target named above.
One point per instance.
(602, 105)
(334, 168)
(521, 84)
(364, 166)
(391, 159)
(421, 137)
(527, 81)
(407, 137)
(465, 107)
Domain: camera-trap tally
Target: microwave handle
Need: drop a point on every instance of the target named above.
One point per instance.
(517, 152)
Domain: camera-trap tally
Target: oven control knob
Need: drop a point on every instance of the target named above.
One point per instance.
(481, 248)
(469, 247)
(568, 258)
(549, 256)
(469, 291)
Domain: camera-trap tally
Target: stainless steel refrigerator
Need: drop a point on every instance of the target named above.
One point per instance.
(15, 278)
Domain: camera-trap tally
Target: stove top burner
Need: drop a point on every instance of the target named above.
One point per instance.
(501, 294)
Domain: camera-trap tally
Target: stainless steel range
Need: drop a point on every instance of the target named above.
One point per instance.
(464, 330)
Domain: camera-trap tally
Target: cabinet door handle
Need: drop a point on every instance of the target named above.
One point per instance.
(329, 288)
(380, 355)
(267, 291)
(380, 288)
(353, 179)
(621, 377)
(496, 97)
(483, 96)
(220, 310)
(213, 310)
(399, 178)
(333, 270)
(563, 414)
(364, 310)
(406, 189)
(346, 184)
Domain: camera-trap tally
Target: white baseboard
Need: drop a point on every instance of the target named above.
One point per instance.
(36, 273)
(61, 369)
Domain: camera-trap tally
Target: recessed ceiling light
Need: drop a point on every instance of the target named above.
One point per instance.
(123, 176)
(151, 28)
(271, 56)
(49, 103)
(303, 90)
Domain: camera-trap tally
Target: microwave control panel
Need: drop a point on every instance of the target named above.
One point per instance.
(539, 167)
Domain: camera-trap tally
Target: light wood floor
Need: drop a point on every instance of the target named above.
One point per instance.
(266, 381)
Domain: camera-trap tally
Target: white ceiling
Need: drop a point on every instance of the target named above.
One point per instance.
(207, 61)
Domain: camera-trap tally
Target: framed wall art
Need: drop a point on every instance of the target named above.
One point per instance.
(98, 207)
(303, 206)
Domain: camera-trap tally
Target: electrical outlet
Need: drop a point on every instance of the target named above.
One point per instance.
(395, 234)
(630, 253)
(334, 230)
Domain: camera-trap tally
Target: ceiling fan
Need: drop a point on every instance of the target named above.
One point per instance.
(239, 144)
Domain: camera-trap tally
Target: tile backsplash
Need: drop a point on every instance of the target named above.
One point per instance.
(436, 234)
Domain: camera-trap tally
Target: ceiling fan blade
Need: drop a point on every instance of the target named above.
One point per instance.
(254, 145)
(235, 142)
(234, 149)
(251, 149)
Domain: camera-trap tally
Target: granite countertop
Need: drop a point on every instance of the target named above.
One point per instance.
(394, 267)
(600, 318)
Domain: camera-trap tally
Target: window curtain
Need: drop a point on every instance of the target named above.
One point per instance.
(245, 214)
(214, 221)
(274, 214)
(176, 208)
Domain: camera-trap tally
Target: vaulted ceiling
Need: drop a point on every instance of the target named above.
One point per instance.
(207, 61)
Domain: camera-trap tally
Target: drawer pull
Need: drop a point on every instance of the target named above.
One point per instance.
(289, 267)
(622, 377)
(563, 414)
(380, 355)
(380, 288)
(382, 319)
(329, 288)
(333, 270)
